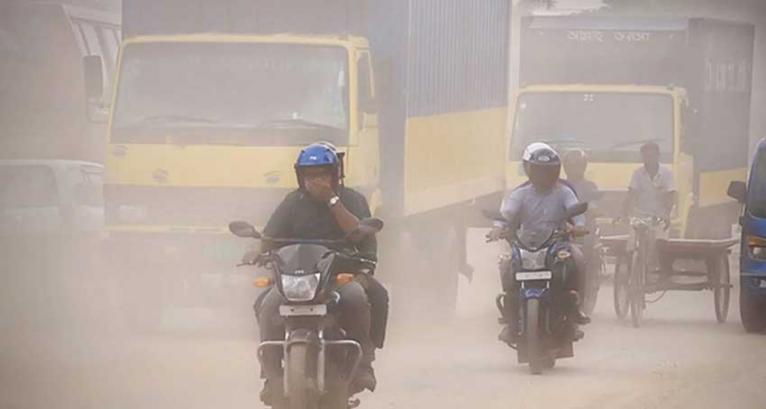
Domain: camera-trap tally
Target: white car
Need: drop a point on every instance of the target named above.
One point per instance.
(50, 197)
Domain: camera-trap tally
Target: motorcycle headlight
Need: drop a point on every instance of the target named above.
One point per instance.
(300, 288)
(533, 260)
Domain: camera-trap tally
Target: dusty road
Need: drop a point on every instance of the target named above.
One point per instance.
(681, 358)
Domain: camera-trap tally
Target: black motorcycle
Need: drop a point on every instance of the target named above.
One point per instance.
(539, 264)
(318, 361)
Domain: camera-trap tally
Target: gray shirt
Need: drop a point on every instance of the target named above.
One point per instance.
(650, 193)
(529, 207)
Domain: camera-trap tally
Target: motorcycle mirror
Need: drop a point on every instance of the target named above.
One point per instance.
(577, 209)
(493, 215)
(244, 229)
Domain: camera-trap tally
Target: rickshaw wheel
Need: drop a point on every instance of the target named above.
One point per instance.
(721, 293)
(621, 292)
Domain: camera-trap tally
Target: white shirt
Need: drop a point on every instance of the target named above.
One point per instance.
(650, 192)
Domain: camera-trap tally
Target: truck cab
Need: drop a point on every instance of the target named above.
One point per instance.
(229, 113)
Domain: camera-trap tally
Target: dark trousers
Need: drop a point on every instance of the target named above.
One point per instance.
(354, 318)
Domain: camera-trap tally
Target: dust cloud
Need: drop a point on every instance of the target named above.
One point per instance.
(87, 322)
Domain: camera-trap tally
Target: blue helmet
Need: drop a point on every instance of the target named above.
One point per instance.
(320, 154)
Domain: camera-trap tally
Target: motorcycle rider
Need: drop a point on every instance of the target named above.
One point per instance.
(323, 208)
(542, 202)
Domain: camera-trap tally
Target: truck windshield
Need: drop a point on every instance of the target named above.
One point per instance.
(756, 200)
(611, 127)
(231, 93)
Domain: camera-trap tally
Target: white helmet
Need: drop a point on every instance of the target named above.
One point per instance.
(534, 147)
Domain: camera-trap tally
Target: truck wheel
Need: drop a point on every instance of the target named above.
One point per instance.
(449, 272)
(752, 310)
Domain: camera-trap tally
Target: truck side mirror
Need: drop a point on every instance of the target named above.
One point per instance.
(737, 191)
(94, 76)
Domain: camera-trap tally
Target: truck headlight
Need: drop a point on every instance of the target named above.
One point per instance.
(300, 288)
(757, 247)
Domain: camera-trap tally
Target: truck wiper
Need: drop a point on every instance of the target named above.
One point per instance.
(173, 118)
(293, 123)
(632, 143)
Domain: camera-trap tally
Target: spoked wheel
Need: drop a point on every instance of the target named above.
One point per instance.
(621, 280)
(636, 287)
(301, 388)
(534, 339)
(721, 291)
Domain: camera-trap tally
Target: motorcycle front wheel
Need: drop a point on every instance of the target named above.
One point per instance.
(301, 388)
(534, 339)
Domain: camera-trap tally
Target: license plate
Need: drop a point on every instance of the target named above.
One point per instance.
(534, 275)
(302, 310)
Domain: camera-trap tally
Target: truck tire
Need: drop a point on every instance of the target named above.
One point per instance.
(752, 311)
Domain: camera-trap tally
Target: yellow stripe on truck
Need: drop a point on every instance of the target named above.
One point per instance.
(455, 157)
(201, 166)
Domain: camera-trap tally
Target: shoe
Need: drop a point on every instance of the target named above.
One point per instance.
(365, 379)
(580, 317)
(266, 393)
(507, 335)
(578, 334)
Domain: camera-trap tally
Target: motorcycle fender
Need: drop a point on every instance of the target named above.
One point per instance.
(533, 293)
(302, 336)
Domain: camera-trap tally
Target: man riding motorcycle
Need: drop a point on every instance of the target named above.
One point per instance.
(539, 203)
(323, 208)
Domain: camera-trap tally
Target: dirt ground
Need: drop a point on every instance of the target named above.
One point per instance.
(680, 358)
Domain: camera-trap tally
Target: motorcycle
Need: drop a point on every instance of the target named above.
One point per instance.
(318, 361)
(539, 265)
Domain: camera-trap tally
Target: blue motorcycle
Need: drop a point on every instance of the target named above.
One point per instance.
(535, 269)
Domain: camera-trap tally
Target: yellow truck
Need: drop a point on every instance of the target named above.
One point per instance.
(210, 112)
(607, 85)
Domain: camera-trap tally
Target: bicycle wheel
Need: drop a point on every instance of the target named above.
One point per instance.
(636, 287)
